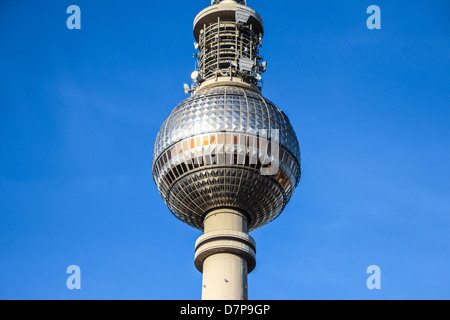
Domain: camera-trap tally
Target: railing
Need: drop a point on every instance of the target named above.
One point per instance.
(238, 1)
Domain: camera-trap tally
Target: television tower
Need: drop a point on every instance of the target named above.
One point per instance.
(226, 160)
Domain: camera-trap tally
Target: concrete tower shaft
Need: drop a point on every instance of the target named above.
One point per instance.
(225, 254)
(227, 160)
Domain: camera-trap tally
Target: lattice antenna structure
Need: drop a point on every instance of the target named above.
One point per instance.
(229, 35)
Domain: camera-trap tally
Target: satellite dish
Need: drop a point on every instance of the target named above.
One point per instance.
(196, 45)
(195, 76)
(257, 76)
(264, 66)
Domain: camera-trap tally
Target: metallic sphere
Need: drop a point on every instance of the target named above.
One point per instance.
(226, 146)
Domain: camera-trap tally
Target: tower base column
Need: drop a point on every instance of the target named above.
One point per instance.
(225, 277)
(225, 254)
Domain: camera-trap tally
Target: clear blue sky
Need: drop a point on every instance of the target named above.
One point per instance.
(80, 110)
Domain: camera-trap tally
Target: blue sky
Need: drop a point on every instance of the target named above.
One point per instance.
(80, 110)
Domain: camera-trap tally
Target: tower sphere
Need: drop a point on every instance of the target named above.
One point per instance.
(226, 146)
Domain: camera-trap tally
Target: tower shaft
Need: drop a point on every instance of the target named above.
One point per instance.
(225, 254)
(226, 160)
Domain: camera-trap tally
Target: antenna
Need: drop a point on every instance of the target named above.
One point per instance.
(242, 16)
(228, 30)
(263, 66)
(187, 89)
(246, 64)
